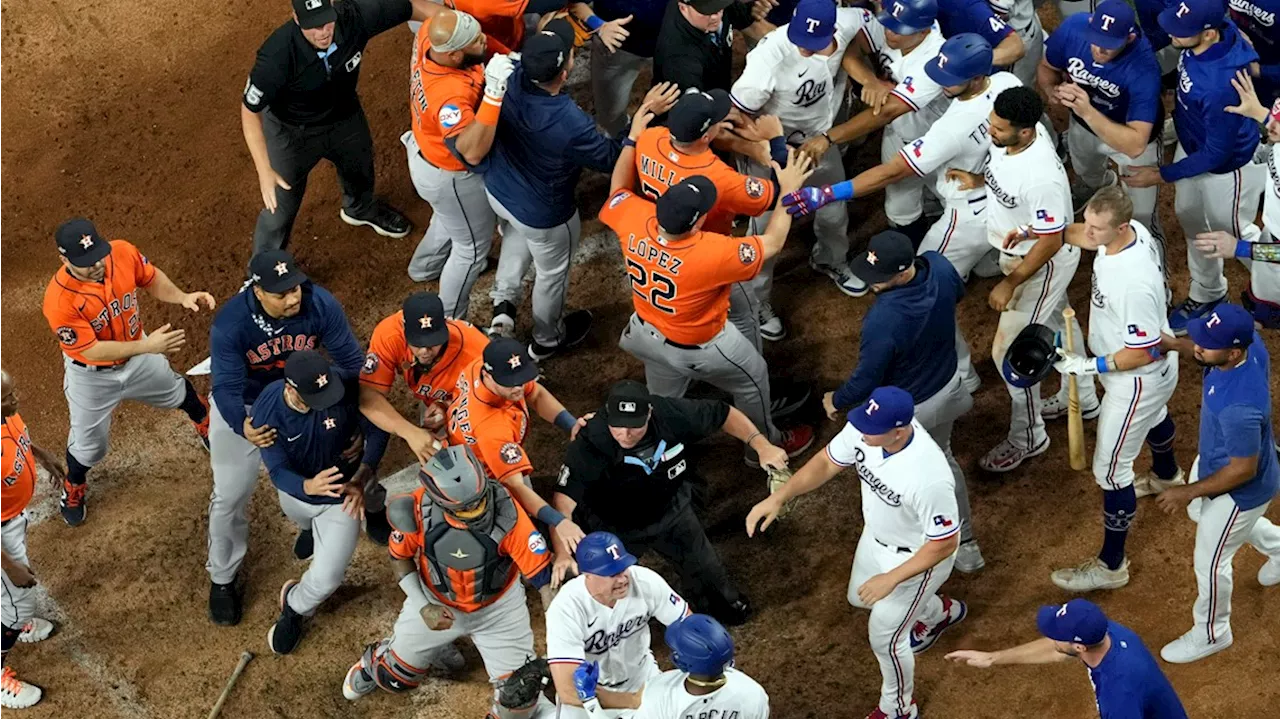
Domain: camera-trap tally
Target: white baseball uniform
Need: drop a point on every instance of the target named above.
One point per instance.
(908, 499)
(741, 697)
(1021, 16)
(1264, 277)
(581, 629)
(1030, 189)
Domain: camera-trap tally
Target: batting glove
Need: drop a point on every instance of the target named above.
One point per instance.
(1075, 364)
(807, 200)
(496, 72)
(585, 678)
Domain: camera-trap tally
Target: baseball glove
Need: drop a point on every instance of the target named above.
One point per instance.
(525, 685)
(777, 478)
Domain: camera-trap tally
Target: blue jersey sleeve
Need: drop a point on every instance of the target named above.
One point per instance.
(1242, 430)
(229, 372)
(875, 354)
(274, 457)
(337, 337)
(591, 148)
(985, 23)
(1218, 145)
(375, 443)
(1144, 96)
(1055, 46)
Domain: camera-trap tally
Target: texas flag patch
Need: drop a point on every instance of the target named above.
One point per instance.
(1133, 330)
(915, 147)
(941, 521)
(1044, 216)
(908, 83)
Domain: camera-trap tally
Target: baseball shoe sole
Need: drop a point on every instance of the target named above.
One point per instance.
(392, 232)
(1192, 647)
(354, 685)
(15, 693)
(1055, 407)
(923, 637)
(1091, 575)
(35, 630)
(1005, 457)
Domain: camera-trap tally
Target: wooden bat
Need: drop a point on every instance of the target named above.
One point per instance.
(245, 656)
(1075, 422)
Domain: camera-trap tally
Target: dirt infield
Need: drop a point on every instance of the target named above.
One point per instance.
(131, 119)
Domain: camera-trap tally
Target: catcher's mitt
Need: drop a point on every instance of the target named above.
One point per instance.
(777, 478)
(525, 685)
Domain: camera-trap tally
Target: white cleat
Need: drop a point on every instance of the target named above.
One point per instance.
(1092, 574)
(771, 327)
(35, 630)
(1193, 646)
(15, 693)
(1269, 574)
(1055, 407)
(1147, 483)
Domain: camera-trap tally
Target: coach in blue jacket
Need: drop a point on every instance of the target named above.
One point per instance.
(909, 341)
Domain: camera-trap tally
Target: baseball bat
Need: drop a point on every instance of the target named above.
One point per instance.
(1075, 422)
(245, 656)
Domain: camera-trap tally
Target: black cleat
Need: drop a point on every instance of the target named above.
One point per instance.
(305, 545)
(377, 526)
(224, 604)
(577, 325)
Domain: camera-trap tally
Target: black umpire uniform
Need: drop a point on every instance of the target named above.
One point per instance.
(306, 99)
(644, 495)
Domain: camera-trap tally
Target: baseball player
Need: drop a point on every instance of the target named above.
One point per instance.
(429, 350)
(795, 75)
(1022, 17)
(602, 617)
(460, 545)
(680, 280)
(1218, 183)
(1126, 319)
(911, 531)
(454, 102)
(1127, 681)
(1234, 478)
(318, 478)
(1256, 21)
(959, 139)
(20, 624)
(1026, 188)
(278, 312)
(92, 307)
(956, 17)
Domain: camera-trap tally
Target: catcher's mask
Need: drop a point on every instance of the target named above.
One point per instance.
(1030, 357)
(456, 481)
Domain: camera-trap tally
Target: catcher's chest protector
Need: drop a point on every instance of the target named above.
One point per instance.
(466, 562)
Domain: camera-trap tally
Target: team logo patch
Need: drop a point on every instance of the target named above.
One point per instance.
(618, 198)
(563, 479)
(371, 363)
(353, 63)
(908, 82)
(675, 598)
(747, 253)
(449, 116)
(941, 521)
(537, 544)
(754, 188)
(397, 536)
(915, 146)
(1044, 216)
(1133, 330)
(511, 453)
(67, 336)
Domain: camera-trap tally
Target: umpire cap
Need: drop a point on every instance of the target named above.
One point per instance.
(603, 554)
(700, 645)
(961, 59)
(907, 17)
(1030, 356)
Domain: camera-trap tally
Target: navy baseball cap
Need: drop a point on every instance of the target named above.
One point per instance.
(1189, 18)
(628, 405)
(887, 408)
(679, 208)
(314, 13)
(546, 52)
(79, 242)
(1110, 24)
(695, 112)
(1079, 621)
(275, 271)
(311, 375)
(509, 363)
(424, 323)
(1227, 326)
(708, 7)
(887, 254)
(603, 554)
(813, 24)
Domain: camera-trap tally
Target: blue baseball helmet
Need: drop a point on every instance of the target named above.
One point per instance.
(602, 553)
(700, 645)
(960, 59)
(907, 17)
(1030, 356)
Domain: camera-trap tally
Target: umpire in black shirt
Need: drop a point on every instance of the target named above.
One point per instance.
(300, 106)
(628, 472)
(695, 44)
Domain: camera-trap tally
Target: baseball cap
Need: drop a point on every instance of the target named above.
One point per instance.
(813, 24)
(1110, 24)
(546, 52)
(79, 242)
(314, 13)
(1079, 621)
(509, 363)
(627, 405)
(275, 271)
(603, 554)
(680, 206)
(424, 324)
(887, 254)
(695, 112)
(1225, 327)
(708, 7)
(309, 373)
(1189, 17)
(886, 409)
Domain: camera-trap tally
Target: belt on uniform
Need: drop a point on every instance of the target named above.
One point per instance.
(673, 343)
(96, 367)
(5, 523)
(903, 550)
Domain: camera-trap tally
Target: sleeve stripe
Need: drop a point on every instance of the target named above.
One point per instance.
(1053, 231)
(833, 459)
(563, 660)
(741, 105)
(910, 103)
(914, 168)
(1143, 346)
(936, 537)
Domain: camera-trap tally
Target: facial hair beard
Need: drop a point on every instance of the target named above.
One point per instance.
(469, 60)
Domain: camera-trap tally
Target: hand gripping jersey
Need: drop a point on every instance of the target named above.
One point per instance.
(466, 566)
(804, 92)
(741, 697)
(82, 313)
(660, 166)
(19, 468)
(1029, 189)
(580, 629)
(389, 355)
(921, 94)
(1128, 299)
(493, 427)
(442, 102)
(681, 288)
(1126, 89)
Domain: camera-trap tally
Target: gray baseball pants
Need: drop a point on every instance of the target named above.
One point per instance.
(335, 534)
(94, 393)
(549, 250)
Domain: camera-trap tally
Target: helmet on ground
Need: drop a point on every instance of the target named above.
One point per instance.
(959, 60)
(603, 554)
(907, 17)
(700, 645)
(1030, 357)
(455, 479)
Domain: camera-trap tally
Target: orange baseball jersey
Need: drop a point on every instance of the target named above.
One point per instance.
(19, 468)
(389, 355)
(501, 20)
(493, 427)
(682, 288)
(82, 313)
(660, 166)
(468, 582)
(442, 102)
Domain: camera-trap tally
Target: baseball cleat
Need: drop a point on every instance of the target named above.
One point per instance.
(969, 558)
(72, 503)
(1055, 407)
(202, 427)
(1147, 483)
(35, 630)
(845, 280)
(357, 683)
(384, 221)
(448, 659)
(796, 440)
(1193, 646)
(912, 713)
(284, 635)
(1005, 457)
(971, 382)
(787, 397)
(576, 326)
(1189, 310)
(377, 526)
(504, 320)
(15, 693)
(771, 327)
(305, 545)
(923, 636)
(1269, 574)
(1090, 575)
(224, 604)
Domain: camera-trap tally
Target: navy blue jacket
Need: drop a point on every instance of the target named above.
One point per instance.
(542, 144)
(909, 336)
(1257, 20)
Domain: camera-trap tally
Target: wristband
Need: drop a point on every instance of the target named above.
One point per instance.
(628, 142)
(549, 516)
(842, 191)
(753, 436)
(1102, 364)
(489, 111)
(1243, 249)
(412, 587)
(565, 420)
(594, 23)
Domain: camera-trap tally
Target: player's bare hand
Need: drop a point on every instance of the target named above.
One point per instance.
(165, 340)
(193, 300)
(19, 574)
(760, 9)
(1074, 97)
(1250, 105)
(768, 127)
(876, 588)
(423, 443)
(260, 437)
(612, 33)
(815, 147)
(268, 181)
(875, 94)
(1175, 499)
(353, 496)
(563, 569)
(1142, 176)
(799, 167)
(1001, 295)
(829, 406)
(569, 534)
(433, 417)
(436, 617)
(1216, 245)
(328, 483)
(763, 514)
(772, 456)
(355, 449)
(966, 180)
(981, 660)
(661, 97)
(577, 426)
(1015, 236)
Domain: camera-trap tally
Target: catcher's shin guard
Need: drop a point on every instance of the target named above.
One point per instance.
(389, 671)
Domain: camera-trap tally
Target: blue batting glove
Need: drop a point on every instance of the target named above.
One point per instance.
(585, 678)
(807, 200)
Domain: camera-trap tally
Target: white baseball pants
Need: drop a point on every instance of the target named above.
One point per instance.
(1226, 202)
(938, 415)
(1131, 405)
(960, 235)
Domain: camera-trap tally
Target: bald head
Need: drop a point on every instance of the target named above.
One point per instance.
(442, 27)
